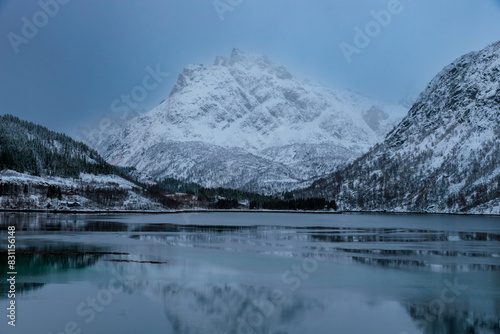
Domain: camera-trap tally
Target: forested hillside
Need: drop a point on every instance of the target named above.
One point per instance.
(29, 148)
(42, 169)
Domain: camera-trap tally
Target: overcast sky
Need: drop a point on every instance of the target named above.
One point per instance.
(84, 54)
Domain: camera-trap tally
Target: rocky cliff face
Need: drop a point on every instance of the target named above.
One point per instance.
(445, 154)
(246, 123)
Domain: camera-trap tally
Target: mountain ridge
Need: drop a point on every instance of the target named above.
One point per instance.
(444, 156)
(246, 102)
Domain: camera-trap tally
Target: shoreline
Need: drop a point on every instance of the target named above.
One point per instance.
(146, 212)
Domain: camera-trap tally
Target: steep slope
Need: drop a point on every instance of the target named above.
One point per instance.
(42, 169)
(31, 148)
(249, 124)
(445, 154)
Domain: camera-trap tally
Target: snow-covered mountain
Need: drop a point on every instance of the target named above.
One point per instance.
(445, 154)
(245, 122)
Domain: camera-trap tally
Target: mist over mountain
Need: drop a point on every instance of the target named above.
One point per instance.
(245, 122)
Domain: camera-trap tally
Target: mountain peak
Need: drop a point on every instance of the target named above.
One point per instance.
(443, 156)
(243, 66)
(245, 116)
(239, 56)
(235, 53)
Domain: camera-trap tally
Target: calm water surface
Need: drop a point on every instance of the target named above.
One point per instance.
(253, 273)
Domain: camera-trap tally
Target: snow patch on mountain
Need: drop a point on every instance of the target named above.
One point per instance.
(245, 122)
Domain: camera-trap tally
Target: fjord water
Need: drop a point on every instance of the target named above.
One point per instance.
(254, 273)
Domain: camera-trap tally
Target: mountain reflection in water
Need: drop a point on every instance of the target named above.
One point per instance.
(214, 274)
